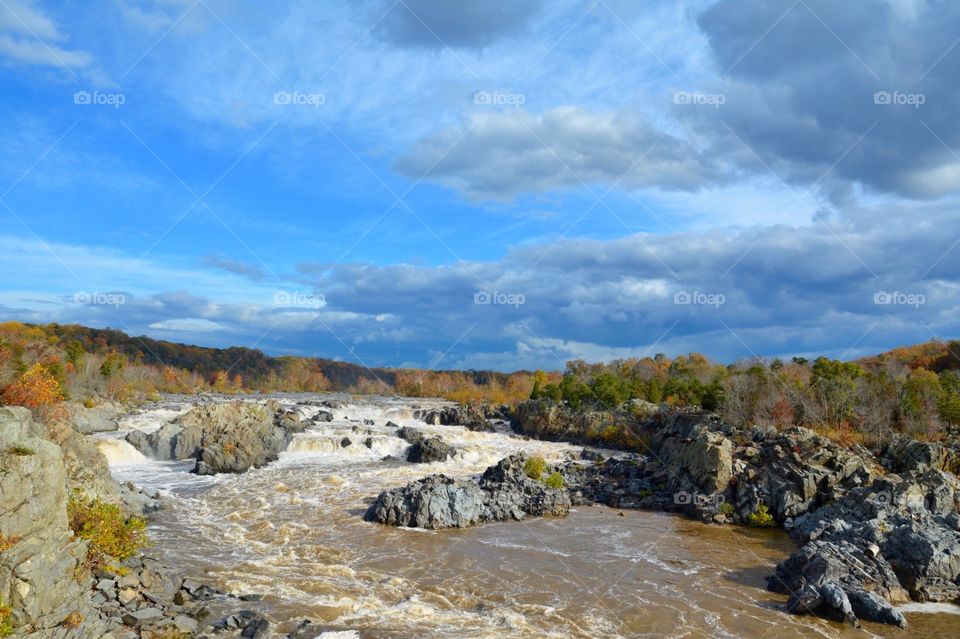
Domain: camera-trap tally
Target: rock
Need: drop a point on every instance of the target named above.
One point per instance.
(37, 573)
(503, 492)
(224, 438)
(99, 419)
(697, 453)
(323, 416)
(906, 455)
(434, 502)
(144, 615)
(430, 450)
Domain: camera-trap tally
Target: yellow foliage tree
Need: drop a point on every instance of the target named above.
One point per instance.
(35, 388)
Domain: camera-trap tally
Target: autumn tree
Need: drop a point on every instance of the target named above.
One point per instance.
(35, 388)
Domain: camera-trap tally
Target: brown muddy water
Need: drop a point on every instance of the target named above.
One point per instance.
(293, 532)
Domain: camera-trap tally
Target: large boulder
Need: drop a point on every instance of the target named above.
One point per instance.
(700, 458)
(223, 437)
(97, 419)
(908, 455)
(826, 577)
(434, 502)
(503, 492)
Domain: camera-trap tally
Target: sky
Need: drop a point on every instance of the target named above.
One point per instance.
(505, 184)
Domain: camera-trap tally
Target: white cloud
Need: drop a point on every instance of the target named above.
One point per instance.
(27, 36)
(188, 325)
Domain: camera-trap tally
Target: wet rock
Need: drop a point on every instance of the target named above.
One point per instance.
(434, 502)
(323, 416)
(503, 492)
(430, 450)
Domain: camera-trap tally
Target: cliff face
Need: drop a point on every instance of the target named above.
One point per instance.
(41, 576)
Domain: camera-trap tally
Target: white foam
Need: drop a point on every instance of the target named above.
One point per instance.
(931, 608)
(119, 453)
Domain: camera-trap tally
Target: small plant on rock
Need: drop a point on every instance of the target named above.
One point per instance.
(6, 625)
(20, 451)
(727, 508)
(6, 543)
(761, 517)
(555, 480)
(534, 467)
(109, 531)
(73, 620)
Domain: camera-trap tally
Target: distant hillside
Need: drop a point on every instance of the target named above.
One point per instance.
(252, 364)
(934, 355)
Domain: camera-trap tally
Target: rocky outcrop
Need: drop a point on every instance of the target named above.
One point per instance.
(223, 438)
(40, 567)
(423, 449)
(897, 539)
(475, 417)
(871, 534)
(907, 455)
(98, 419)
(503, 492)
(548, 420)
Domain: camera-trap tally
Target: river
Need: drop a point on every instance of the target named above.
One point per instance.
(293, 532)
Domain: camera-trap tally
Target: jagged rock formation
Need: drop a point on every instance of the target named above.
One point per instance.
(39, 572)
(474, 417)
(873, 531)
(423, 449)
(223, 438)
(503, 492)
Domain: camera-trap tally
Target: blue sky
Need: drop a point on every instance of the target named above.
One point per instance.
(607, 179)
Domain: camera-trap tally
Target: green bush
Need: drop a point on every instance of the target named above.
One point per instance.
(6, 627)
(110, 533)
(555, 480)
(761, 517)
(21, 451)
(534, 467)
(727, 508)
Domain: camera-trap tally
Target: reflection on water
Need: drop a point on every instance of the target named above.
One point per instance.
(293, 532)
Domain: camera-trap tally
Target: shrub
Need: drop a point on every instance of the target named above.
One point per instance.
(6, 626)
(555, 480)
(534, 467)
(6, 543)
(20, 451)
(104, 525)
(35, 388)
(73, 620)
(727, 508)
(761, 517)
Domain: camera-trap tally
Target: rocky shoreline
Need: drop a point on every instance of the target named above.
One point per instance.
(873, 531)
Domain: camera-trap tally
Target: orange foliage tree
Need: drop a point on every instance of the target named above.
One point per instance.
(35, 388)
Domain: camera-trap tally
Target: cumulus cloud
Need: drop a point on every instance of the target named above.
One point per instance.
(440, 23)
(502, 154)
(844, 92)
